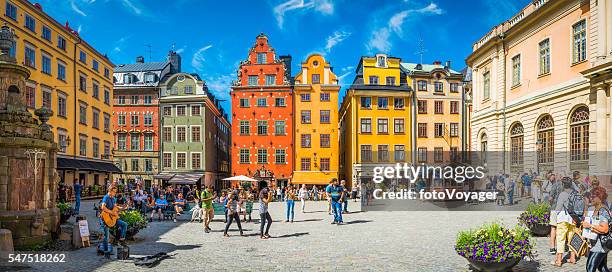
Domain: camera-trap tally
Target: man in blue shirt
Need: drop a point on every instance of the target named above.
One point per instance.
(160, 205)
(108, 204)
(336, 194)
(527, 183)
(77, 196)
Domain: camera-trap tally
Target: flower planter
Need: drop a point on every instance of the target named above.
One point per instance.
(540, 230)
(494, 266)
(64, 217)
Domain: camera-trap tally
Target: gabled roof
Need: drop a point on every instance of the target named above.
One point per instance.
(411, 67)
(141, 67)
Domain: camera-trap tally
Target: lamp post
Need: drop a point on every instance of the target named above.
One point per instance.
(538, 150)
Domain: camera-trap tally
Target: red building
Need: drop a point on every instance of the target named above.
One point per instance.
(262, 118)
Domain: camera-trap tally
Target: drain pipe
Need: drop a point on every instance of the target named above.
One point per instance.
(502, 37)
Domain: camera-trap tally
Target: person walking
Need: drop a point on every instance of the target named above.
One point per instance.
(565, 222)
(335, 194)
(265, 196)
(206, 198)
(303, 194)
(344, 196)
(278, 194)
(290, 199)
(596, 222)
(232, 212)
(77, 196)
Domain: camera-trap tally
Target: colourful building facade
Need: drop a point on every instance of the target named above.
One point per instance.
(262, 116)
(375, 119)
(74, 80)
(316, 123)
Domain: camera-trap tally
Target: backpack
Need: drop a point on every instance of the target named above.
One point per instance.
(606, 239)
(574, 206)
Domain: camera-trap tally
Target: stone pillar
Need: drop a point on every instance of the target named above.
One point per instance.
(602, 128)
(6, 243)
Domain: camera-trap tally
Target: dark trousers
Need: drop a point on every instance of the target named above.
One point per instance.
(230, 219)
(597, 261)
(265, 217)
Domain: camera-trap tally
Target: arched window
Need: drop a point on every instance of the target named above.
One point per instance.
(579, 134)
(546, 139)
(483, 147)
(516, 144)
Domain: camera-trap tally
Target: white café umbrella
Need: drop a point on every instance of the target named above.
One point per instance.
(240, 178)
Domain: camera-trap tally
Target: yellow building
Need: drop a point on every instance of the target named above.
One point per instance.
(72, 79)
(439, 94)
(316, 123)
(375, 119)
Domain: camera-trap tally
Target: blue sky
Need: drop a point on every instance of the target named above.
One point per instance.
(214, 36)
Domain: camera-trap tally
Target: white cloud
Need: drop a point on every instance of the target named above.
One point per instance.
(180, 50)
(79, 28)
(336, 38)
(432, 8)
(76, 8)
(341, 77)
(380, 40)
(322, 6)
(396, 21)
(220, 84)
(133, 7)
(197, 62)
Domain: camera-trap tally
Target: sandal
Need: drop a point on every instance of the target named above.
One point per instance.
(554, 263)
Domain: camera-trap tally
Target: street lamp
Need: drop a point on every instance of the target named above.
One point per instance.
(538, 150)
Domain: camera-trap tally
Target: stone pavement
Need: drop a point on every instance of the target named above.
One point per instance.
(370, 241)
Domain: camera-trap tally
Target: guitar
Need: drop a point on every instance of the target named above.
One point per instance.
(110, 219)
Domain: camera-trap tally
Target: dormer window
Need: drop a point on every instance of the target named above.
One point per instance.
(150, 78)
(381, 61)
(129, 79)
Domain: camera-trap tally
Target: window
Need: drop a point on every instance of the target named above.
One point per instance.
(325, 97)
(325, 117)
(135, 119)
(195, 134)
(61, 105)
(245, 155)
(121, 119)
(373, 80)
(148, 165)
(454, 107)
(30, 57)
(422, 106)
(188, 89)
(516, 144)
(244, 102)
(381, 61)
(195, 160)
(398, 103)
(483, 147)
(316, 79)
(181, 134)
(107, 150)
(30, 96)
(83, 146)
(438, 87)
(106, 122)
(46, 98)
(545, 138)
(61, 42)
(252, 81)
(305, 164)
(95, 116)
(438, 129)
(61, 71)
(167, 159)
(438, 154)
(167, 111)
(516, 70)
(383, 103)
(167, 134)
(135, 142)
(279, 102)
(366, 153)
(83, 83)
(454, 129)
(61, 140)
(383, 153)
(262, 127)
(398, 126)
(11, 10)
(262, 156)
(439, 107)
(134, 100)
(366, 125)
(279, 127)
(262, 102)
(579, 134)
(135, 166)
(454, 87)
(383, 126)
(422, 85)
(324, 165)
(148, 119)
(486, 85)
(422, 154)
(181, 160)
(579, 42)
(280, 156)
(305, 97)
(46, 65)
(544, 56)
(148, 100)
(261, 58)
(399, 153)
(195, 110)
(270, 80)
(366, 102)
(83, 114)
(82, 57)
(245, 127)
(30, 23)
(390, 81)
(148, 142)
(305, 114)
(121, 141)
(324, 140)
(305, 140)
(106, 72)
(422, 130)
(95, 89)
(180, 110)
(94, 65)
(149, 78)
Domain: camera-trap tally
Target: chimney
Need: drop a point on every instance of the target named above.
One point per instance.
(447, 65)
(286, 60)
(175, 62)
(437, 62)
(140, 59)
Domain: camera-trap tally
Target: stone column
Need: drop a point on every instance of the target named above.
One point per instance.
(602, 129)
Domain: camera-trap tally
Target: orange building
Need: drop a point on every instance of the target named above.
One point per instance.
(262, 118)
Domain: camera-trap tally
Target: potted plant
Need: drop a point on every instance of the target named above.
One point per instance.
(66, 212)
(536, 217)
(493, 247)
(135, 222)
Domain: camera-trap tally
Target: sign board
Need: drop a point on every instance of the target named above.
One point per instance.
(83, 228)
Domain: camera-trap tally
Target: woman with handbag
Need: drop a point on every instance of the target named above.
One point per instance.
(596, 221)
